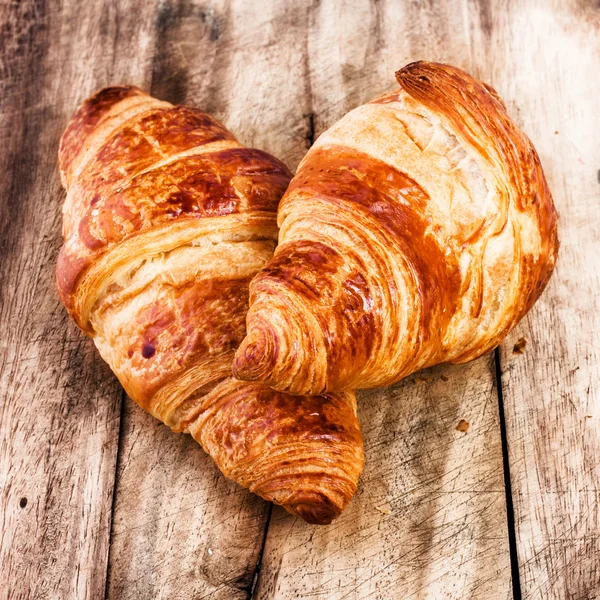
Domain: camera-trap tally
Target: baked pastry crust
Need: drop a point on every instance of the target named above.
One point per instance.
(419, 229)
(167, 219)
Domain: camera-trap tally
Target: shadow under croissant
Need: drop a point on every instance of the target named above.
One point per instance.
(429, 508)
(439, 489)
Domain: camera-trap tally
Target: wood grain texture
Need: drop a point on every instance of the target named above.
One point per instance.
(429, 520)
(190, 533)
(59, 406)
(180, 529)
(551, 391)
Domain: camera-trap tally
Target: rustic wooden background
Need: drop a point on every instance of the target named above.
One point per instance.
(98, 500)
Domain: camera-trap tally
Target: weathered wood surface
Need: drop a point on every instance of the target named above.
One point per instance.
(552, 391)
(59, 405)
(430, 519)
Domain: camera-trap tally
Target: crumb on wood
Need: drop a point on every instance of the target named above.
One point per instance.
(210, 551)
(519, 347)
(463, 426)
(444, 378)
(383, 510)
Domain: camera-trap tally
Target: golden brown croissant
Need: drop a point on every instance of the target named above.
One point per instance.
(419, 229)
(167, 219)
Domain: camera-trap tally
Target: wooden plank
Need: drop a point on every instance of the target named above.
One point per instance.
(59, 405)
(180, 530)
(429, 520)
(551, 392)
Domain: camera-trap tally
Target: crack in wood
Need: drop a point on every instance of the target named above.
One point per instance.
(251, 589)
(114, 496)
(310, 129)
(510, 511)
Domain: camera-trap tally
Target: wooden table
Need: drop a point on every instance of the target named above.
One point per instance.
(98, 500)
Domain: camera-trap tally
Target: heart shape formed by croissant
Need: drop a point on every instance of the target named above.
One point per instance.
(167, 219)
(419, 229)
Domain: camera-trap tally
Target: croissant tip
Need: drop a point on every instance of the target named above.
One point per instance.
(255, 357)
(321, 512)
(406, 69)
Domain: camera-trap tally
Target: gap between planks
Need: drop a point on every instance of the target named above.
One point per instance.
(114, 493)
(510, 511)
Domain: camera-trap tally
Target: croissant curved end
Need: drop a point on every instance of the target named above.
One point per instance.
(303, 453)
(256, 356)
(315, 509)
(317, 495)
(279, 349)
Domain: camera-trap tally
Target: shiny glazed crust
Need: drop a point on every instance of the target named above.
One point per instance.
(167, 219)
(418, 229)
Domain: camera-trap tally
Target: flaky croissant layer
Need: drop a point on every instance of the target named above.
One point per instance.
(418, 229)
(167, 219)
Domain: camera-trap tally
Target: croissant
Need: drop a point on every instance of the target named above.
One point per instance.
(419, 229)
(166, 220)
